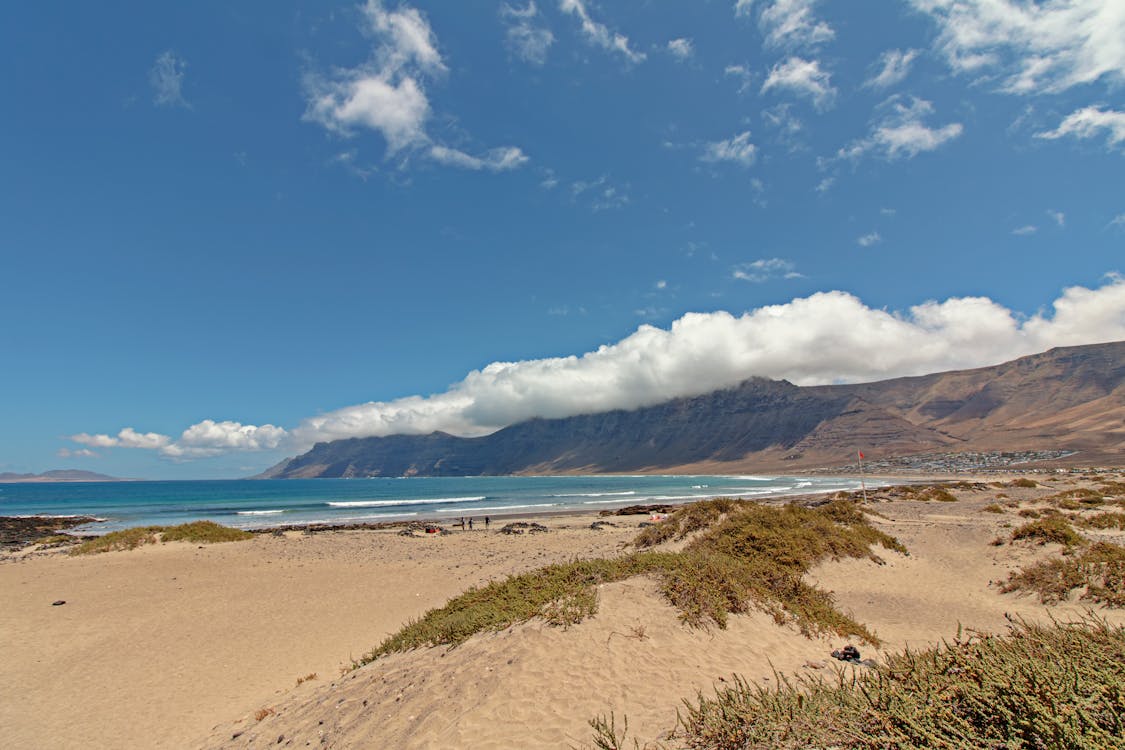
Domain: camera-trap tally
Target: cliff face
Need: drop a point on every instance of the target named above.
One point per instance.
(1072, 398)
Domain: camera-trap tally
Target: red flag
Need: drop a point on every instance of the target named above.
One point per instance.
(861, 455)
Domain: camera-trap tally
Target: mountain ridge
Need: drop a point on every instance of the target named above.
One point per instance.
(1068, 397)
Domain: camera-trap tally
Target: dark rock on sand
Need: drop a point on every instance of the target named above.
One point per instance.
(519, 527)
(17, 532)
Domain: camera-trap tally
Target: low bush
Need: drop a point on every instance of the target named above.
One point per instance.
(1100, 569)
(1057, 685)
(199, 532)
(1055, 529)
(744, 556)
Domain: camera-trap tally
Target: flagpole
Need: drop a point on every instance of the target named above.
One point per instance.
(862, 483)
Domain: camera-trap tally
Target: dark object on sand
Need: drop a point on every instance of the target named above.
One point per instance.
(847, 653)
(519, 526)
(58, 602)
(599, 525)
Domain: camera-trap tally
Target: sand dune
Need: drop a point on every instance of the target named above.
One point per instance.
(178, 646)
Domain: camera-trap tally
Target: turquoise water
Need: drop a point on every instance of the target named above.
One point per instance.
(265, 503)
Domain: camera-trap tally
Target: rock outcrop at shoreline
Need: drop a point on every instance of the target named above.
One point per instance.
(1067, 400)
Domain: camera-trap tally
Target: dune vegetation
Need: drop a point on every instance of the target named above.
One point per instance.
(198, 532)
(1055, 685)
(742, 556)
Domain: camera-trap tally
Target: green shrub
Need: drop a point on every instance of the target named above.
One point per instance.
(1023, 482)
(744, 556)
(1056, 529)
(1100, 569)
(1054, 686)
(200, 532)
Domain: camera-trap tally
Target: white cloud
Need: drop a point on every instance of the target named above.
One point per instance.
(387, 94)
(126, 438)
(901, 132)
(788, 125)
(600, 194)
(496, 160)
(681, 49)
(207, 438)
(78, 453)
(525, 39)
(742, 73)
(1058, 216)
(804, 78)
(398, 110)
(825, 184)
(869, 239)
(167, 80)
(828, 337)
(1025, 230)
(788, 23)
(1034, 47)
(737, 149)
(1117, 221)
(210, 438)
(1090, 122)
(597, 33)
(661, 284)
(895, 66)
(764, 269)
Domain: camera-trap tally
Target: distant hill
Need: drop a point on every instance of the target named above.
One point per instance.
(1069, 398)
(60, 475)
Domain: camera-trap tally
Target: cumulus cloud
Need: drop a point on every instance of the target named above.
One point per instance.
(598, 33)
(207, 438)
(525, 39)
(167, 80)
(210, 438)
(387, 94)
(737, 149)
(804, 78)
(901, 133)
(828, 337)
(1024, 231)
(869, 239)
(894, 67)
(1090, 122)
(1058, 216)
(788, 23)
(681, 49)
(1033, 47)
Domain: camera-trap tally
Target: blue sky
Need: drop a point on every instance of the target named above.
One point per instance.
(229, 230)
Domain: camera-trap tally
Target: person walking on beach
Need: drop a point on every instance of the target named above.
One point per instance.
(470, 523)
(486, 522)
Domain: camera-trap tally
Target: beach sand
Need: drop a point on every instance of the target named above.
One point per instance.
(176, 646)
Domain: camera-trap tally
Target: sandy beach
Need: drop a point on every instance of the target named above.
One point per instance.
(179, 645)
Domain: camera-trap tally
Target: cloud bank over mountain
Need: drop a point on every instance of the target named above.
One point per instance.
(828, 337)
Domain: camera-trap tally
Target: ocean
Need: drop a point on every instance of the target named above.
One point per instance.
(279, 502)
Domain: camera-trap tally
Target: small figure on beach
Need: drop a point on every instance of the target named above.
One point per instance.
(470, 523)
(462, 523)
(486, 522)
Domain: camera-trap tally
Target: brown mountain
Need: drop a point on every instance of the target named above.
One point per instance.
(1069, 398)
